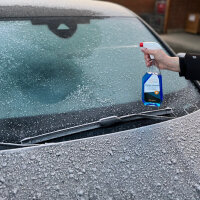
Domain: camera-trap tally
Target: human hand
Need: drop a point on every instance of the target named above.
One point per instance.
(161, 60)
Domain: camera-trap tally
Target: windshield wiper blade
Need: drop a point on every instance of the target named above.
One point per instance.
(8, 146)
(104, 122)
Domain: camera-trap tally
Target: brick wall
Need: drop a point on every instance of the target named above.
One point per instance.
(178, 9)
(178, 12)
(137, 6)
(194, 6)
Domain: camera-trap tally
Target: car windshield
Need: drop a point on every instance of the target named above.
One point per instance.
(82, 68)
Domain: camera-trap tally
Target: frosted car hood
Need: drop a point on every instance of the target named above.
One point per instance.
(160, 161)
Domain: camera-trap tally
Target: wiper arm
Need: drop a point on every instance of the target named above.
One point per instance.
(104, 122)
(7, 146)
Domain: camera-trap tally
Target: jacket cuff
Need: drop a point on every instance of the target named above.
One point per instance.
(182, 66)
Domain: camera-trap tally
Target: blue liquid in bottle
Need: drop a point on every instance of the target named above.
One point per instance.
(152, 93)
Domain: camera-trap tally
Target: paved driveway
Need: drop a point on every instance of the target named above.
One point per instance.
(183, 42)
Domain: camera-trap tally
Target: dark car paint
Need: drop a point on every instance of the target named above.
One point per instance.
(159, 161)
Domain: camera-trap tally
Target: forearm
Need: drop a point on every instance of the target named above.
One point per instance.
(173, 64)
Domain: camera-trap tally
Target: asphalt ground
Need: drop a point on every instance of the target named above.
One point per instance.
(183, 42)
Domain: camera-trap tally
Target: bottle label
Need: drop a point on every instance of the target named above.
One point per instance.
(152, 84)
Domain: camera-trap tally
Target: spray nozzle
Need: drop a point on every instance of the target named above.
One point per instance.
(150, 45)
(153, 46)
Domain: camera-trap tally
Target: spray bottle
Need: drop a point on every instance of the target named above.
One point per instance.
(152, 93)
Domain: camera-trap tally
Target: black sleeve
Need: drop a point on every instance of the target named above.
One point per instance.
(190, 66)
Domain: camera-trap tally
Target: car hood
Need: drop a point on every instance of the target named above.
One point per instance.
(160, 161)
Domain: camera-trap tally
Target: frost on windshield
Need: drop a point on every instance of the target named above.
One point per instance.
(98, 66)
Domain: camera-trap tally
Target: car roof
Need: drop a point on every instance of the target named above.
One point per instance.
(33, 8)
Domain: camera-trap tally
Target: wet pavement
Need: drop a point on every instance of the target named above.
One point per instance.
(183, 42)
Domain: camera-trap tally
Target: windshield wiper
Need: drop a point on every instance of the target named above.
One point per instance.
(7, 146)
(104, 122)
